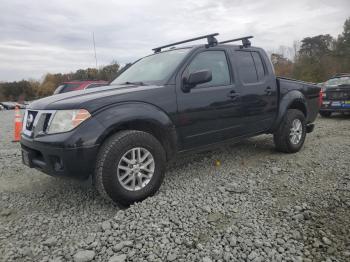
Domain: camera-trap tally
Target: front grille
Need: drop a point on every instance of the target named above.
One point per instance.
(36, 122)
(31, 115)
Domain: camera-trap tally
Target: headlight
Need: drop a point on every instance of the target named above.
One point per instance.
(66, 120)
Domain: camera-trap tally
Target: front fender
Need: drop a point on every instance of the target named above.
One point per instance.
(288, 101)
(118, 116)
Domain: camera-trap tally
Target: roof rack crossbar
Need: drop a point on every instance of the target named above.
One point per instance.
(210, 38)
(245, 41)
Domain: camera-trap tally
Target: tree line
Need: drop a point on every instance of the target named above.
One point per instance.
(26, 90)
(315, 59)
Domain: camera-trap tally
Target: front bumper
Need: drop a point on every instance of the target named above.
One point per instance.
(71, 154)
(62, 162)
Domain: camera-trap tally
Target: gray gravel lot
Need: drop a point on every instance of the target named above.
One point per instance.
(258, 205)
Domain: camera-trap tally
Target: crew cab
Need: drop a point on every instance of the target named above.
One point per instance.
(336, 95)
(173, 101)
(78, 85)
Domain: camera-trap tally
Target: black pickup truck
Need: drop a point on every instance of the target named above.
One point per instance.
(170, 102)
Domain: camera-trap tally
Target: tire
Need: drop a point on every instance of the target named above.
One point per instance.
(110, 168)
(325, 113)
(283, 139)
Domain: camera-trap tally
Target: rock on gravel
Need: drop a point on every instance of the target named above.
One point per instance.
(207, 259)
(6, 212)
(117, 258)
(84, 256)
(52, 241)
(106, 225)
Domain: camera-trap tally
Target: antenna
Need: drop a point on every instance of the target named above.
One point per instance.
(93, 40)
(210, 38)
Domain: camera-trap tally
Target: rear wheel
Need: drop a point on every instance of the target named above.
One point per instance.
(325, 113)
(130, 167)
(290, 136)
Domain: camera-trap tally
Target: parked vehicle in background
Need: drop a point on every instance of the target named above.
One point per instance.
(165, 104)
(8, 105)
(12, 105)
(78, 85)
(2, 107)
(336, 95)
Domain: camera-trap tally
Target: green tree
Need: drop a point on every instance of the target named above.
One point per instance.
(343, 48)
(283, 66)
(109, 72)
(315, 61)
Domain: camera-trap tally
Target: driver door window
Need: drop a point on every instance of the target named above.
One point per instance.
(216, 62)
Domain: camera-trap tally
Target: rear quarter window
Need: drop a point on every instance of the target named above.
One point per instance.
(260, 69)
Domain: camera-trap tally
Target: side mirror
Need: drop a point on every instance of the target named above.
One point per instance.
(196, 78)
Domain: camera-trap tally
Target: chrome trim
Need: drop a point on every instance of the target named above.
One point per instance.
(36, 120)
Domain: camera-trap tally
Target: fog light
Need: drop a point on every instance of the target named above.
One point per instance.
(56, 163)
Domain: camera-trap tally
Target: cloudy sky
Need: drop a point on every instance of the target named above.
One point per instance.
(41, 36)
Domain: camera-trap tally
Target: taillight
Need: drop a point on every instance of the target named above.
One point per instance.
(320, 98)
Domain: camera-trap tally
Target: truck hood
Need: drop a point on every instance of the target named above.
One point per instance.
(93, 99)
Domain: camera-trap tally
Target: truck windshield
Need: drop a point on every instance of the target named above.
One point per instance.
(152, 68)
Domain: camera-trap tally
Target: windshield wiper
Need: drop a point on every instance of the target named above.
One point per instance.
(140, 83)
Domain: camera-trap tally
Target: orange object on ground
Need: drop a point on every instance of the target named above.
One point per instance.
(18, 125)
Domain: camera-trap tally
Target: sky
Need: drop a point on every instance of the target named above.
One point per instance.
(55, 36)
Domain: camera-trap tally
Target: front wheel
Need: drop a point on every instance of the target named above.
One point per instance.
(130, 167)
(290, 136)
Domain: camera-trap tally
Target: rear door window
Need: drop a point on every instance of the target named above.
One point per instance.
(246, 67)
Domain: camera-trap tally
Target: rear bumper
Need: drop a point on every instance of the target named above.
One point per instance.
(61, 162)
(340, 110)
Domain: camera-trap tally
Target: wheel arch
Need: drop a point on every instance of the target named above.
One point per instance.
(141, 117)
(292, 100)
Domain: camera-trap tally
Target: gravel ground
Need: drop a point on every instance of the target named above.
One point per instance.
(258, 205)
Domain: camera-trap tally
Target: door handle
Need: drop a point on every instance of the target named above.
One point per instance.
(232, 94)
(268, 90)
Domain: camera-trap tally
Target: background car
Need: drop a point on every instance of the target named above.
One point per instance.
(336, 95)
(11, 105)
(78, 85)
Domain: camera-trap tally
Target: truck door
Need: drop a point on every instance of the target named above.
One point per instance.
(201, 110)
(257, 89)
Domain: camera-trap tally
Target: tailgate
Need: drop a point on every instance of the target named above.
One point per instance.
(338, 96)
